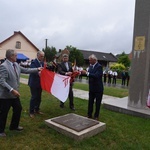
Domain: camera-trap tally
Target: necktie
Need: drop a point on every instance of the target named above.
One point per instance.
(15, 69)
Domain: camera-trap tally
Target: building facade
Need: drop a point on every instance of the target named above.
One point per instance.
(20, 43)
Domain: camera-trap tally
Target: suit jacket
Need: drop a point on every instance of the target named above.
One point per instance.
(34, 78)
(9, 79)
(95, 78)
(62, 68)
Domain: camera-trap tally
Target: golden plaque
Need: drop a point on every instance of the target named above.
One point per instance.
(139, 43)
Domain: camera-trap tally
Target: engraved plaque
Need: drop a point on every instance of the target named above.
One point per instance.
(139, 43)
(75, 122)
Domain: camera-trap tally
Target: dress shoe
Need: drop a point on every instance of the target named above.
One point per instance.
(32, 115)
(3, 134)
(39, 113)
(90, 117)
(17, 129)
(96, 118)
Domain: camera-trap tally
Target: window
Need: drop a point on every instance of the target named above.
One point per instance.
(18, 45)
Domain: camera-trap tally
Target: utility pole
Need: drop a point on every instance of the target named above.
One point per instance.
(46, 43)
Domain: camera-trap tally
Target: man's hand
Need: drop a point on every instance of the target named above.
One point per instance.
(83, 72)
(68, 73)
(15, 93)
(40, 68)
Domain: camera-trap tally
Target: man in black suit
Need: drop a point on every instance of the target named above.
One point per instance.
(123, 76)
(35, 85)
(65, 68)
(9, 91)
(95, 74)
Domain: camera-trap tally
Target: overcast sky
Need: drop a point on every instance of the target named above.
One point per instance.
(98, 25)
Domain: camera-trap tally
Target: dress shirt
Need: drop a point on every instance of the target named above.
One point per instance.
(66, 64)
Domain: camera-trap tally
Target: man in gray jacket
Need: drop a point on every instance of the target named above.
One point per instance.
(9, 91)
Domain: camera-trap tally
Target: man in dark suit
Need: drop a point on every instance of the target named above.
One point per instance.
(95, 74)
(9, 91)
(123, 76)
(35, 86)
(65, 68)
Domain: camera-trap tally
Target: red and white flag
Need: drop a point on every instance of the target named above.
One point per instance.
(56, 84)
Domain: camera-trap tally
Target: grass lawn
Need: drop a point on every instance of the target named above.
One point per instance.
(122, 131)
(111, 91)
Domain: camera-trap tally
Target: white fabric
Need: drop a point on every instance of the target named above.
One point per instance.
(60, 87)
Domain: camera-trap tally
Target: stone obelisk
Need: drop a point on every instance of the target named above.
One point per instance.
(140, 65)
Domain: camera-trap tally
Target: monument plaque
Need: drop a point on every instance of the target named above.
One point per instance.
(75, 122)
(76, 126)
(139, 43)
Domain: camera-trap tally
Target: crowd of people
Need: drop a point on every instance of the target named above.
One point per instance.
(25, 64)
(111, 76)
(10, 72)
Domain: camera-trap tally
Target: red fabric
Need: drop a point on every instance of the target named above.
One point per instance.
(74, 74)
(47, 78)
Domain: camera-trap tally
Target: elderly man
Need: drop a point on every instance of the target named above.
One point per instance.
(9, 91)
(35, 85)
(95, 74)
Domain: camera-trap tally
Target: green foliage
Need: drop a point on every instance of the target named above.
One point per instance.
(75, 54)
(118, 67)
(50, 53)
(124, 59)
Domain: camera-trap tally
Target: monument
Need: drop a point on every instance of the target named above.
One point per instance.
(140, 66)
(76, 126)
(139, 86)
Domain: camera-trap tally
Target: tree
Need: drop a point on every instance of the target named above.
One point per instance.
(124, 59)
(118, 67)
(75, 54)
(50, 53)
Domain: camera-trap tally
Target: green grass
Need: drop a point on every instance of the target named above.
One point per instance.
(122, 131)
(111, 91)
(26, 76)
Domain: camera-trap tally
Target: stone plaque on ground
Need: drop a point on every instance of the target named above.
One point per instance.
(76, 126)
(75, 122)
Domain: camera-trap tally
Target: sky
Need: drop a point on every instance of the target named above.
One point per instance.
(96, 25)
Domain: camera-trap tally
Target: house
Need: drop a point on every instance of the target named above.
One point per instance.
(105, 59)
(20, 43)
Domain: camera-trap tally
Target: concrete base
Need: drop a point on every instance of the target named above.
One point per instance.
(77, 134)
(121, 105)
